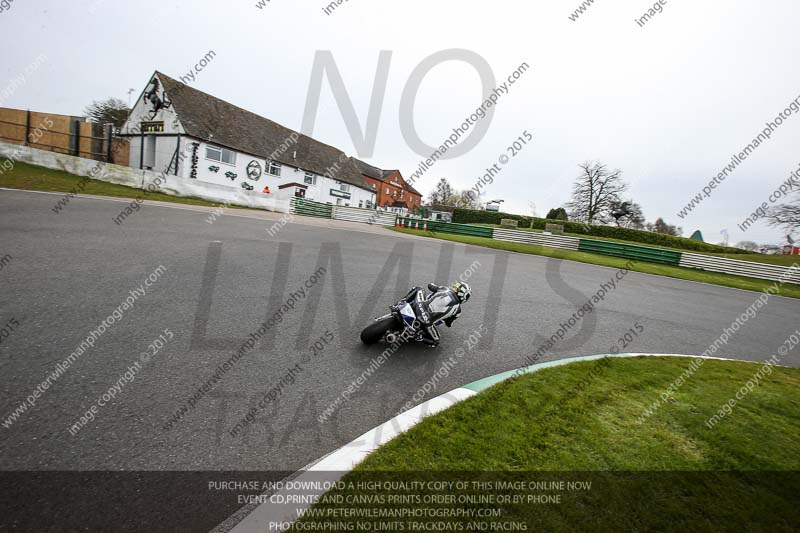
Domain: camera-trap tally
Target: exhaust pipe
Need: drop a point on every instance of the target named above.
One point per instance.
(391, 337)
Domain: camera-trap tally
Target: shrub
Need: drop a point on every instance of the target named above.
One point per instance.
(469, 216)
(558, 213)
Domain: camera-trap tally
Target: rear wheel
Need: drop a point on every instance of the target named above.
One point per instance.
(375, 331)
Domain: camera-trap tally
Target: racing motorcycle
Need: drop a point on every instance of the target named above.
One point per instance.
(415, 318)
(400, 322)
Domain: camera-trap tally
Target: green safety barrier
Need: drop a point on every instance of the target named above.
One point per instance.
(616, 249)
(448, 227)
(311, 209)
(630, 251)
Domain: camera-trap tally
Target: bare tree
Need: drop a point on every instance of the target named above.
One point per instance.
(110, 110)
(595, 192)
(786, 215)
(464, 200)
(748, 245)
(442, 194)
(659, 226)
(446, 195)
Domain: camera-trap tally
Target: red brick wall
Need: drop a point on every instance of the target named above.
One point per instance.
(383, 198)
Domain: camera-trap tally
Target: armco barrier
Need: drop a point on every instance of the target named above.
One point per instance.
(364, 216)
(622, 250)
(448, 227)
(532, 237)
(309, 208)
(630, 251)
(741, 268)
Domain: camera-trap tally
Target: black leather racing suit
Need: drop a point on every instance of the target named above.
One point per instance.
(441, 304)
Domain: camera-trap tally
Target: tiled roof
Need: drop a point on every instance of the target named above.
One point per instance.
(412, 189)
(214, 120)
(379, 174)
(368, 170)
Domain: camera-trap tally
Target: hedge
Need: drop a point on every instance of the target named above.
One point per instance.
(468, 216)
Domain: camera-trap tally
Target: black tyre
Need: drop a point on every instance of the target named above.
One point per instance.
(375, 331)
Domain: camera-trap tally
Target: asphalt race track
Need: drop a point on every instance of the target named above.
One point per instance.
(70, 271)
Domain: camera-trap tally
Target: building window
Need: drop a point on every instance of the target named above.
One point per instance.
(338, 201)
(361, 203)
(387, 190)
(223, 155)
(310, 179)
(273, 168)
(402, 194)
(344, 187)
(152, 127)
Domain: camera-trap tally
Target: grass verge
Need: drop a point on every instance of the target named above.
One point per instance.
(726, 280)
(585, 421)
(33, 178)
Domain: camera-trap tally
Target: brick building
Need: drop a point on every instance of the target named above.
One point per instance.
(391, 190)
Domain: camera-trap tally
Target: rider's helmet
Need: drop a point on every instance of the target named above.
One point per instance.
(462, 290)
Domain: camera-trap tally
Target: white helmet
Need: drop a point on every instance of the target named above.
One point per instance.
(462, 290)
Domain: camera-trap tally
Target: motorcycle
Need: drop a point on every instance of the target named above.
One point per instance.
(400, 323)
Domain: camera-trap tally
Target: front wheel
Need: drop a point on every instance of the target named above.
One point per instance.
(375, 331)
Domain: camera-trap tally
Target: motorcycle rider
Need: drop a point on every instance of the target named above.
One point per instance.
(443, 303)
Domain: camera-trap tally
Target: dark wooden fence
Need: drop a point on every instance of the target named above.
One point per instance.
(63, 134)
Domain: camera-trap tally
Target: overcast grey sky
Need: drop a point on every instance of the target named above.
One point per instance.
(668, 103)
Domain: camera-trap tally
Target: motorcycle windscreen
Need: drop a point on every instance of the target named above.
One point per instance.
(408, 314)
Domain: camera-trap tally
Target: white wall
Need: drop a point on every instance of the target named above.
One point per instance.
(219, 177)
(319, 192)
(164, 152)
(142, 111)
(143, 179)
(166, 142)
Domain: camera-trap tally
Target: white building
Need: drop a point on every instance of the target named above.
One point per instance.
(181, 131)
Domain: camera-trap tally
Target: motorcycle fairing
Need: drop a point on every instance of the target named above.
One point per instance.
(408, 314)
